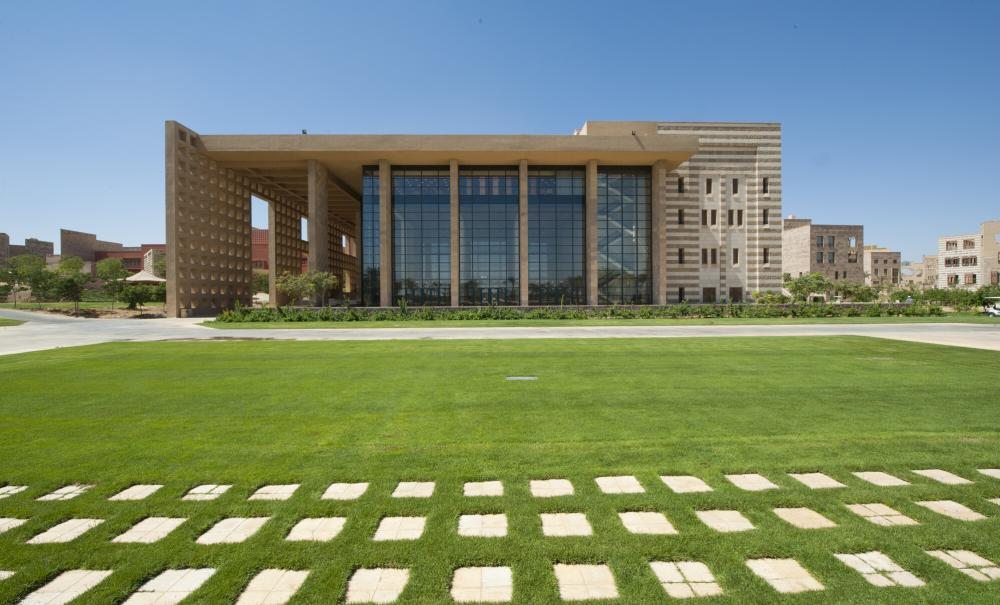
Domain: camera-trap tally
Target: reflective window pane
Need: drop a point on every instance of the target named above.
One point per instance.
(555, 236)
(370, 249)
(488, 235)
(421, 235)
(623, 206)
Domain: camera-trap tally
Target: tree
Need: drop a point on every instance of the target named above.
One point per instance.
(810, 283)
(261, 282)
(160, 265)
(136, 295)
(20, 271)
(112, 272)
(70, 281)
(322, 283)
(855, 292)
(296, 286)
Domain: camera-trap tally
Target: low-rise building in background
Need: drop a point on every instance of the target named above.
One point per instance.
(835, 251)
(882, 266)
(920, 274)
(970, 261)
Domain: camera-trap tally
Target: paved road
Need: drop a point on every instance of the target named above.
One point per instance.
(44, 331)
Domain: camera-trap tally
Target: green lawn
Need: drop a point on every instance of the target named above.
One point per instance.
(255, 413)
(547, 323)
(4, 322)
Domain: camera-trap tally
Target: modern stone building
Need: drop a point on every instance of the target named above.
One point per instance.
(970, 261)
(836, 251)
(88, 248)
(617, 213)
(35, 247)
(882, 266)
(921, 274)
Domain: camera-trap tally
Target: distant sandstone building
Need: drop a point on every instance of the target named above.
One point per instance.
(628, 213)
(882, 266)
(921, 274)
(835, 251)
(35, 247)
(970, 261)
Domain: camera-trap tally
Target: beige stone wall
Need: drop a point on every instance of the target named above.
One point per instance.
(208, 229)
(801, 245)
(882, 267)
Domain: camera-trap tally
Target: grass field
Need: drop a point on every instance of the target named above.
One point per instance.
(87, 304)
(4, 322)
(256, 413)
(546, 323)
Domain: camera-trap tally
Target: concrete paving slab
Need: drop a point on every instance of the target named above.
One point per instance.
(685, 484)
(414, 489)
(318, 529)
(150, 530)
(66, 587)
(482, 526)
(565, 524)
(641, 522)
(881, 479)
(585, 582)
(626, 484)
(751, 482)
(950, 508)
(345, 491)
(685, 579)
(784, 575)
(67, 531)
(232, 530)
(378, 585)
(208, 491)
(724, 521)
(482, 585)
(880, 514)
(816, 480)
(551, 488)
(136, 492)
(170, 587)
(804, 518)
(483, 488)
(399, 528)
(942, 476)
(272, 587)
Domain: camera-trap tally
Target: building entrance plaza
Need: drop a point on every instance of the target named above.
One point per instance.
(628, 213)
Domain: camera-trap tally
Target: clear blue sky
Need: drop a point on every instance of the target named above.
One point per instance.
(890, 110)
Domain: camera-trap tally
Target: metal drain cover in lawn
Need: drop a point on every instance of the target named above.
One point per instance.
(518, 378)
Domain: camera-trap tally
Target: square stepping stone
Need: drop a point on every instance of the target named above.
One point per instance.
(344, 491)
(482, 526)
(880, 514)
(978, 568)
(989, 472)
(784, 575)
(751, 482)
(399, 528)
(483, 488)
(318, 529)
(804, 518)
(647, 523)
(9, 523)
(950, 508)
(275, 492)
(209, 491)
(585, 582)
(942, 476)
(626, 484)
(67, 492)
(66, 586)
(880, 570)
(149, 530)
(232, 530)
(482, 585)
(377, 585)
(272, 587)
(685, 484)
(66, 531)
(685, 579)
(5, 574)
(880, 479)
(414, 489)
(558, 525)
(551, 488)
(170, 587)
(725, 521)
(11, 490)
(136, 492)
(816, 480)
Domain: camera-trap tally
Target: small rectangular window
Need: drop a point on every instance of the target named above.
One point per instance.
(680, 256)
(680, 295)
(730, 221)
(304, 229)
(766, 255)
(680, 184)
(829, 241)
(736, 256)
(766, 217)
(680, 216)
(704, 256)
(819, 241)
(739, 218)
(704, 217)
(736, 186)
(819, 257)
(708, 186)
(715, 217)
(765, 186)
(715, 256)
(831, 258)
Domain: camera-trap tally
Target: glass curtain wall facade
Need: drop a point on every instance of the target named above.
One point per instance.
(370, 231)
(421, 235)
(556, 210)
(623, 231)
(488, 235)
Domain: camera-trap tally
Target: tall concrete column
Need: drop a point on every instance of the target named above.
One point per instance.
(275, 298)
(657, 245)
(319, 217)
(522, 233)
(590, 265)
(455, 241)
(385, 232)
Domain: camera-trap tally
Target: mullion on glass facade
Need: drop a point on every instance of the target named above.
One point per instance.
(556, 200)
(488, 235)
(623, 206)
(421, 225)
(370, 248)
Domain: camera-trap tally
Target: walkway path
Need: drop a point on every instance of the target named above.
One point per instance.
(45, 331)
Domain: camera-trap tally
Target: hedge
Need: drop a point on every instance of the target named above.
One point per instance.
(678, 311)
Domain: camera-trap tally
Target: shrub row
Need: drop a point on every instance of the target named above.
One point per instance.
(678, 311)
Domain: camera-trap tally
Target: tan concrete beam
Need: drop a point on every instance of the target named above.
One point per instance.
(319, 218)
(385, 232)
(455, 242)
(657, 245)
(590, 265)
(522, 234)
